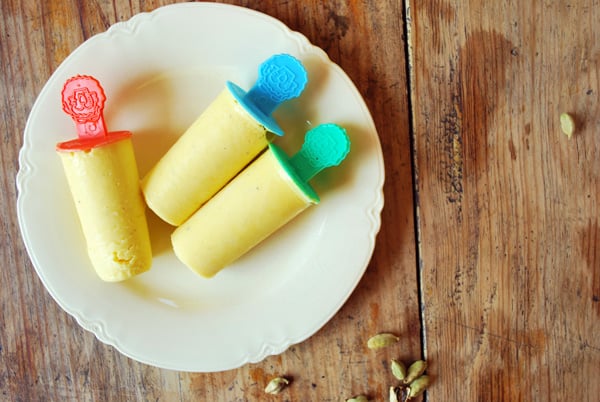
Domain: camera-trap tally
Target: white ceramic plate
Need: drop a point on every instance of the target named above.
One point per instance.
(159, 71)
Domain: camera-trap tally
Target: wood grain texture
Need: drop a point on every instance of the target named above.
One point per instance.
(46, 356)
(508, 205)
(505, 283)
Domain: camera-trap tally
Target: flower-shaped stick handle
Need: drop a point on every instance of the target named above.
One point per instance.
(324, 146)
(83, 99)
(280, 78)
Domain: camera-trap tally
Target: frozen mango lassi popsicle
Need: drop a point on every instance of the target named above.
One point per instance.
(263, 197)
(103, 179)
(229, 134)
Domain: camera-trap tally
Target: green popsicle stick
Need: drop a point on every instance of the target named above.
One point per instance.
(324, 146)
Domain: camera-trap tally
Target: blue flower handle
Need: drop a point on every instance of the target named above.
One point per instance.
(280, 78)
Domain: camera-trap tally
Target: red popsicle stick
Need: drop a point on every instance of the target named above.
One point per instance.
(83, 99)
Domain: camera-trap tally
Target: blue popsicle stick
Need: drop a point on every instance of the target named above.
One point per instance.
(280, 78)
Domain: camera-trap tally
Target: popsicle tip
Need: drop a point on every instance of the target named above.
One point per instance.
(83, 99)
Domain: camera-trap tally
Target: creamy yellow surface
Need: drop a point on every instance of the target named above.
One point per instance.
(251, 207)
(220, 143)
(104, 183)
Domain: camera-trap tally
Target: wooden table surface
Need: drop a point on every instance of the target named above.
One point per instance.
(487, 263)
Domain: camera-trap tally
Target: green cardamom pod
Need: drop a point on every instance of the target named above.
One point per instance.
(382, 340)
(398, 369)
(358, 398)
(415, 370)
(276, 385)
(418, 386)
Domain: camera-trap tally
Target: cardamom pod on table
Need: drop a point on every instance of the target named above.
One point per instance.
(398, 369)
(415, 370)
(382, 340)
(276, 385)
(419, 385)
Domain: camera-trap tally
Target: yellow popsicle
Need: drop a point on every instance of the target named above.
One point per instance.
(262, 198)
(104, 184)
(257, 202)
